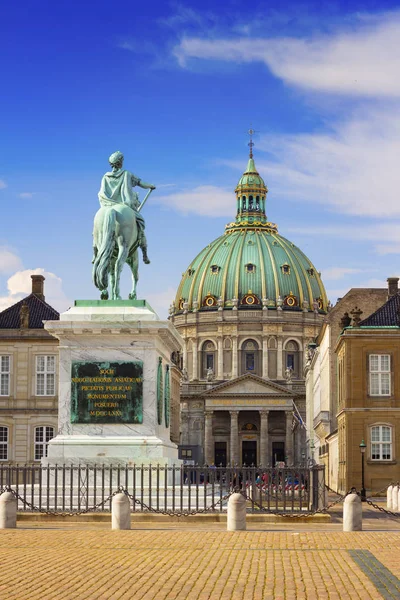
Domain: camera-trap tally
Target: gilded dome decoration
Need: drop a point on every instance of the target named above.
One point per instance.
(251, 255)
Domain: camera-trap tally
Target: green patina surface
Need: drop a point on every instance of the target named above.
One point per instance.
(251, 257)
(121, 303)
(106, 392)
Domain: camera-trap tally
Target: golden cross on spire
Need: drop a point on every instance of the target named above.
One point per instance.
(251, 132)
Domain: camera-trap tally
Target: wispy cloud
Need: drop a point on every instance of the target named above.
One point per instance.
(205, 200)
(2, 184)
(363, 62)
(9, 261)
(334, 273)
(26, 195)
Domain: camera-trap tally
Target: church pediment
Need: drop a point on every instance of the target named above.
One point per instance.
(250, 384)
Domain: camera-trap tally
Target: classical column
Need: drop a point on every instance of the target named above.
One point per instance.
(195, 360)
(289, 438)
(234, 356)
(234, 437)
(279, 358)
(220, 362)
(265, 359)
(208, 438)
(184, 428)
(264, 437)
(184, 355)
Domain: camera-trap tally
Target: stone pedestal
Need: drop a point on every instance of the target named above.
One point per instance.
(114, 359)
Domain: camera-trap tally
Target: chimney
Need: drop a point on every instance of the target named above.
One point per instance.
(393, 286)
(37, 286)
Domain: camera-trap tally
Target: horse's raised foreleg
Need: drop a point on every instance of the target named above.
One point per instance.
(119, 263)
(132, 261)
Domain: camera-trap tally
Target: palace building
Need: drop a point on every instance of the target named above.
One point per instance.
(247, 307)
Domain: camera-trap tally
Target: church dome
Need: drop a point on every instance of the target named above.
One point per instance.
(251, 266)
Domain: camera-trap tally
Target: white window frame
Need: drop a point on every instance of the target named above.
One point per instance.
(377, 446)
(45, 379)
(47, 432)
(5, 374)
(4, 441)
(380, 375)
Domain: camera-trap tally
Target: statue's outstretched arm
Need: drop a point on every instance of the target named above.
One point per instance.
(146, 186)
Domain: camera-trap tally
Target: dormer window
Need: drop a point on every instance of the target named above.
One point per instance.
(311, 272)
(190, 272)
(285, 269)
(250, 268)
(215, 269)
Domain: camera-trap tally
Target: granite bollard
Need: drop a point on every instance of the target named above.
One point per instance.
(395, 497)
(389, 503)
(120, 512)
(8, 511)
(352, 513)
(236, 519)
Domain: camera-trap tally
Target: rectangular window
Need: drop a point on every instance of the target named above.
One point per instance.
(381, 443)
(210, 361)
(3, 443)
(5, 362)
(42, 437)
(290, 361)
(45, 375)
(379, 374)
(250, 361)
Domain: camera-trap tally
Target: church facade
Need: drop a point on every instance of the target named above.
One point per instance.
(247, 307)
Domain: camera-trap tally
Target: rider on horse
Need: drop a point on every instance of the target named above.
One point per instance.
(116, 188)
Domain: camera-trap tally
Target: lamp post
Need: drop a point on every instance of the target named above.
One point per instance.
(312, 448)
(303, 458)
(363, 447)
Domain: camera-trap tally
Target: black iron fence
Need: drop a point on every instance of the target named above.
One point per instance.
(69, 488)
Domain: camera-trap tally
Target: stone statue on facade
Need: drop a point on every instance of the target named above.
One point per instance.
(210, 374)
(24, 316)
(118, 229)
(289, 374)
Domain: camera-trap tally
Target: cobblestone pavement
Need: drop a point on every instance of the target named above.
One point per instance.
(97, 564)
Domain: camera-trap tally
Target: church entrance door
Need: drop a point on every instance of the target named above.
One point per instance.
(220, 454)
(249, 453)
(278, 452)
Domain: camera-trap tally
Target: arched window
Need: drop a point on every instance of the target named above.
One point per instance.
(244, 203)
(250, 357)
(292, 357)
(381, 442)
(208, 357)
(42, 437)
(251, 203)
(258, 203)
(4, 439)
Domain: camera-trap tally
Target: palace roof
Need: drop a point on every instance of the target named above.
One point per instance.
(387, 315)
(39, 311)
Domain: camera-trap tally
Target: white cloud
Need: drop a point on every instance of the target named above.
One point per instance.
(161, 301)
(9, 261)
(20, 285)
(2, 184)
(353, 168)
(362, 62)
(26, 195)
(206, 200)
(334, 273)
(388, 232)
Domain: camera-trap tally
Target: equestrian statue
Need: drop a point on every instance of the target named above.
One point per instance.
(118, 229)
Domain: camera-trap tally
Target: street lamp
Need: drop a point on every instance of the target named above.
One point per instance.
(312, 448)
(303, 458)
(363, 447)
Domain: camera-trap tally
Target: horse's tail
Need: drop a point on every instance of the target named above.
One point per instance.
(101, 264)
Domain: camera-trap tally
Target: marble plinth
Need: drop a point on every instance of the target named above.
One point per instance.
(112, 332)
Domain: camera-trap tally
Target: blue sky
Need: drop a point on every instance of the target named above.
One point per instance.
(175, 86)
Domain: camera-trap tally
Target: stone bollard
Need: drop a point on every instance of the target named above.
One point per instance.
(120, 512)
(389, 503)
(395, 498)
(236, 519)
(352, 513)
(8, 511)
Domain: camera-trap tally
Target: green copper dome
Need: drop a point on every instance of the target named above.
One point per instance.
(251, 265)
